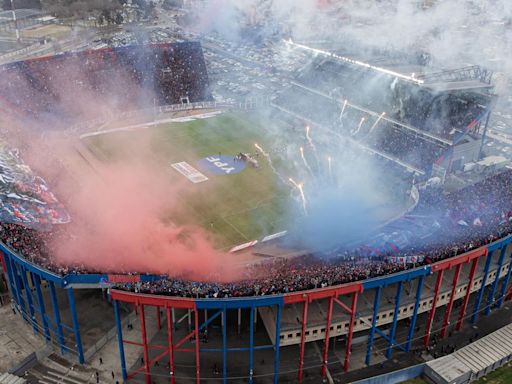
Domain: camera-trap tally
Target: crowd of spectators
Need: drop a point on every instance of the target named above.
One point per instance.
(445, 114)
(170, 73)
(405, 146)
(134, 77)
(469, 218)
(387, 137)
(320, 88)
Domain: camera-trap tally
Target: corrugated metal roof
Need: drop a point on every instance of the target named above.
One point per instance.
(449, 368)
(476, 356)
(487, 350)
(7, 378)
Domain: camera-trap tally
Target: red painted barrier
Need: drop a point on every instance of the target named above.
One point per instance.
(154, 300)
(430, 319)
(302, 339)
(448, 312)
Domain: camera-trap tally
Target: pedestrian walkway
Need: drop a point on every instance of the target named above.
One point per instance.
(17, 339)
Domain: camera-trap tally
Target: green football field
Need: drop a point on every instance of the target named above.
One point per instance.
(235, 208)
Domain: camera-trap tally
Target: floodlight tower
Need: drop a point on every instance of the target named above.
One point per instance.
(15, 21)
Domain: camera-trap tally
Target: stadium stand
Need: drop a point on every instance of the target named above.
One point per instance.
(422, 122)
(470, 218)
(136, 76)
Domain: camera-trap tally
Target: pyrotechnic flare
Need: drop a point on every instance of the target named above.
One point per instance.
(312, 145)
(302, 196)
(305, 161)
(376, 122)
(269, 161)
(359, 127)
(355, 62)
(261, 150)
(330, 167)
(309, 137)
(343, 109)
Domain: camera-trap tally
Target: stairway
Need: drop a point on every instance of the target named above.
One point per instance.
(55, 370)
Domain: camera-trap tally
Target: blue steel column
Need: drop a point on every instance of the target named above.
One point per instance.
(395, 320)
(277, 343)
(371, 336)
(490, 299)
(224, 346)
(56, 316)
(482, 288)
(28, 294)
(42, 311)
(76, 330)
(120, 340)
(251, 343)
(21, 301)
(410, 335)
(504, 286)
(13, 290)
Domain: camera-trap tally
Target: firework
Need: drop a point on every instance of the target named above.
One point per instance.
(309, 137)
(411, 79)
(343, 109)
(376, 122)
(312, 145)
(305, 161)
(269, 161)
(329, 162)
(358, 127)
(301, 192)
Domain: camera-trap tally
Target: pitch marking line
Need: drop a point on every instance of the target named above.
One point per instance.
(151, 123)
(235, 228)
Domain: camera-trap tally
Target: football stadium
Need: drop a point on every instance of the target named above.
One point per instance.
(352, 219)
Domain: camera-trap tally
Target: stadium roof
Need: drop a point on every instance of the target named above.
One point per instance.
(20, 14)
(457, 86)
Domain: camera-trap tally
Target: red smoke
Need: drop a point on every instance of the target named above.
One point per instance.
(117, 211)
(118, 225)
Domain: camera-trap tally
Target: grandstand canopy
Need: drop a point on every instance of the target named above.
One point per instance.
(465, 85)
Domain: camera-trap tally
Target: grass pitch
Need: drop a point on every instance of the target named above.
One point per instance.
(235, 208)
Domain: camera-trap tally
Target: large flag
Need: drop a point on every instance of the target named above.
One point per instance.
(24, 197)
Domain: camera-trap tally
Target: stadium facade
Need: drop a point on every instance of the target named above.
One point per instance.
(478, 281)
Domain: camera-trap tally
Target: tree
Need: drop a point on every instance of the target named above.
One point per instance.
(146, 8)
(80, 8)
(170, 4)
(119, 18)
